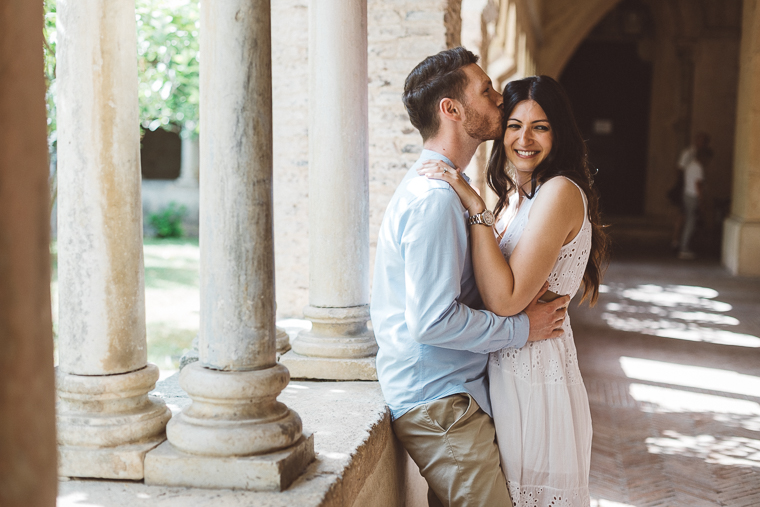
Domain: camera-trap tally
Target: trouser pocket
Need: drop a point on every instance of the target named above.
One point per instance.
(444, 413)
(453, 442)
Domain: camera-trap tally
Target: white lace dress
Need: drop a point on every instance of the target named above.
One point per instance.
(540, 405)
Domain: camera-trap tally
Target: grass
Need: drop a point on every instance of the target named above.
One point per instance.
(172, 297)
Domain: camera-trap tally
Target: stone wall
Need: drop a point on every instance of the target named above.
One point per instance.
(400, 34)
(290, 116)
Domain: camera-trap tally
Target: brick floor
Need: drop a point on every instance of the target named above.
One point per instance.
(671, 360)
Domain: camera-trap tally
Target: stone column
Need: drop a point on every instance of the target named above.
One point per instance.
(741, 235)
(106, 420)
(339, 345)
(188, 169)
(27, 382)
(235, 434)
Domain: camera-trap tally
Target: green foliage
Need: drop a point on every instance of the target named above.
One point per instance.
(49, 41)
(167, 52)
(168, 222)
(167, 55)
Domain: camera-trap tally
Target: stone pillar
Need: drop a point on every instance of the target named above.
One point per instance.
(189, 167)
(339, 345)
(27, 382)
(106, 420)
(741, 235)
(235, 434)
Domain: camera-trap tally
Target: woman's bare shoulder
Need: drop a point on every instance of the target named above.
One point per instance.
(560, 184)
(560, 191)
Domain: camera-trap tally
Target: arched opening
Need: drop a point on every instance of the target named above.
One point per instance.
(647, 79)
(609, 85)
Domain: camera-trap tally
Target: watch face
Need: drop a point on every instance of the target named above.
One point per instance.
(488, 217)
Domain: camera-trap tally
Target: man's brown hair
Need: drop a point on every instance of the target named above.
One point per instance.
(436, 77)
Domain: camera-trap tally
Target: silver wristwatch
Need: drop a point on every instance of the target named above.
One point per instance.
(485, 218)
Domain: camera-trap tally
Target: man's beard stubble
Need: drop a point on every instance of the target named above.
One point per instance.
(478, 127)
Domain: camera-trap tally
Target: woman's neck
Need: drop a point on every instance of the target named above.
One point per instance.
(523, 186)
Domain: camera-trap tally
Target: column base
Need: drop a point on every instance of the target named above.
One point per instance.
(283, 340)
(328, 368)
(106, 423)
(168, 466)
(121, 462)
(234, 413)
(741, 243)
(336, 333)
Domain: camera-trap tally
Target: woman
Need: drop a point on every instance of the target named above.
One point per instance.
(549, 229)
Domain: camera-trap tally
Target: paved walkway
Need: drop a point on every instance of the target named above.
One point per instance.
(671, 360)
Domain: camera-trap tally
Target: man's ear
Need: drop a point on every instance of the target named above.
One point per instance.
(450, 109)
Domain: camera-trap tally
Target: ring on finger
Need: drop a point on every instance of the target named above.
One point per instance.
(445, 170)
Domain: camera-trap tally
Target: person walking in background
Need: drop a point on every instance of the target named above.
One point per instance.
(675, 194)
(693, 176)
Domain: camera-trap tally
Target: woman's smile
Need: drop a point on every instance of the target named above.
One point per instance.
(526, 154)
(527, 138)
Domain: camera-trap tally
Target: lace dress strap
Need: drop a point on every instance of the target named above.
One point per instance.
(583, 196)
(567, 273)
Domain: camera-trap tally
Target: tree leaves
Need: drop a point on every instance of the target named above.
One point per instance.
(168, 66)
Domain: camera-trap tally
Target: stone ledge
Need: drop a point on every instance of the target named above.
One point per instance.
(359, 462)
(325, 368)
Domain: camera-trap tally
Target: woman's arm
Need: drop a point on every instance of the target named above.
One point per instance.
(555, 218)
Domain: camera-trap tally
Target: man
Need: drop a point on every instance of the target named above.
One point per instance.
(433, 337)
(701, 143)
(693, 175)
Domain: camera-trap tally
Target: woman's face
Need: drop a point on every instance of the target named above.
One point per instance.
(527, 138)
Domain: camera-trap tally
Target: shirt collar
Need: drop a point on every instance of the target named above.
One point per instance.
(434, 155)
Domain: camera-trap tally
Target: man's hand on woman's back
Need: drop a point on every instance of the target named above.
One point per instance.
(546, 318)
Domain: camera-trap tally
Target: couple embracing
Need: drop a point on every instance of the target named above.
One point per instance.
(480, 373)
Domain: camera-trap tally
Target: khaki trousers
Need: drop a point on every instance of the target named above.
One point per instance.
(454, 443)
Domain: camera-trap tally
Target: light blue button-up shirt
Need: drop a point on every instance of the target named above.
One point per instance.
(432, 334)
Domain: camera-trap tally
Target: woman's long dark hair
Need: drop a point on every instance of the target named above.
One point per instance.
(568, 157)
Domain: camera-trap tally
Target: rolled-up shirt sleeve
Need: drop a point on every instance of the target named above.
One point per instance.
(434, 257)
